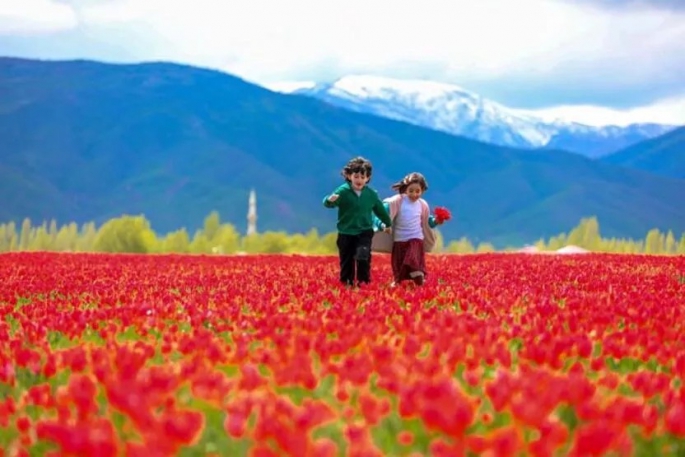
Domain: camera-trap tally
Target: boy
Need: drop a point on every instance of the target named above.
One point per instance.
(356, 202)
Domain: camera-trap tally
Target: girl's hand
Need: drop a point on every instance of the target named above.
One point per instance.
(333, 198)
(388, 230)
(441, 215)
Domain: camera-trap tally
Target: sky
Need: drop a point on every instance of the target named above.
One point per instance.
(592, 61)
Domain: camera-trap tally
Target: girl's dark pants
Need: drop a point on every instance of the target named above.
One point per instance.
(355, 253)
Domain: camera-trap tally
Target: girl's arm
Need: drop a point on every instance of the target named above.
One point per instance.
(428, 222)
(432, 221)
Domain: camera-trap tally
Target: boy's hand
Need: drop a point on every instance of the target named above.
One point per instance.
(333, 198)
(387, 229)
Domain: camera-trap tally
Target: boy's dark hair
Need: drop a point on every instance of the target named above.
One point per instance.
(411, 178)
(357, 165)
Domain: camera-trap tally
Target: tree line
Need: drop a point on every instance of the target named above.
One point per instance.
(134, 234)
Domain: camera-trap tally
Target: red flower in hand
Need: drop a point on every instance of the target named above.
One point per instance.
(442, 214)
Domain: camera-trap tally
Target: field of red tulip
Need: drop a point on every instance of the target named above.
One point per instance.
(497, 354)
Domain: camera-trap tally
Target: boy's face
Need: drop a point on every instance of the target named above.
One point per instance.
(358, 180)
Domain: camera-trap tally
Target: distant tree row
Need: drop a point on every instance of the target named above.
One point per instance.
(587, 235)
(134, 234)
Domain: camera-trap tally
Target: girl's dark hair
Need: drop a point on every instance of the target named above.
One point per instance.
(357, 165)
(411, 178)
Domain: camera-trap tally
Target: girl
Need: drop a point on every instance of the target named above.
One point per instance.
(412, 234)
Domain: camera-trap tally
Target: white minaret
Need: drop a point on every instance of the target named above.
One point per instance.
(252, 213)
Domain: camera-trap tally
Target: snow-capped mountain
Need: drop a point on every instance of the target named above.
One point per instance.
(454, 110)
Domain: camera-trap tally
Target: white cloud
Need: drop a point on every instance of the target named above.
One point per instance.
(514, 43)
(112, 12)
(269, 40)
(669, 111)
(28, 17)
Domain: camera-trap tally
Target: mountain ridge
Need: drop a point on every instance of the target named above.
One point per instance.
(86, 141)
(663, 155)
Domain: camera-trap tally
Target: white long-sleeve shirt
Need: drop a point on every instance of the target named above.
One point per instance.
(408, 225)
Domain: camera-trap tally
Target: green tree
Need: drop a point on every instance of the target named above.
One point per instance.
(439, 242)
(670, 245)
(12, 237)
(212, 224)
(25, 234)
(42, 240)
(200, 243)
(461, 246)
(226, 239)
(4, 238)
(634, 247)
(53, 229)
(557, 242)
(64, 241)
(274, 242)
(134, 234)
(305, 243)
(177, 242)
(653, 242)
(86, 239)
(329, 243)
(312, 242)
(131, 234)
(610, 245)
(485, 247)
(252, 244)
(297, 244)
(591, 235)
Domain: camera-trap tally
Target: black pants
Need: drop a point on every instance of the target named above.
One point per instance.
(355, 254)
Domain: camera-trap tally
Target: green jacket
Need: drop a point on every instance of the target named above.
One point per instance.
(355, 212)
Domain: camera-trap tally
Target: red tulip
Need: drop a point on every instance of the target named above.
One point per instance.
(442, 214)
(143, 355)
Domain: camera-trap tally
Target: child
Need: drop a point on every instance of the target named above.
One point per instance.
(356, 203)
(412, 229)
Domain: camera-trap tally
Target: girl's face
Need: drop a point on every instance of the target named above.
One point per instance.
(414, 191)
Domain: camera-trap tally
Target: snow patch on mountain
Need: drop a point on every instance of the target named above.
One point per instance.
(455, 110)
(290, 86)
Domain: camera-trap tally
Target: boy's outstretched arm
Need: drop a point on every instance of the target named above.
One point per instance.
(331, 201)
(379, 226)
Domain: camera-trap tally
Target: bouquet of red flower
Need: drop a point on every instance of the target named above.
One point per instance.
(441, 214)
